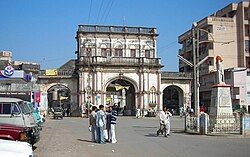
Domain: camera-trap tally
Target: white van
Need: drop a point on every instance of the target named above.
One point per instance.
(15, 111)
(15, 149)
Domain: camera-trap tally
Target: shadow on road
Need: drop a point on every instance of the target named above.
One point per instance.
(178, 131)
(151, 135)
(150, 127)
(84, 140)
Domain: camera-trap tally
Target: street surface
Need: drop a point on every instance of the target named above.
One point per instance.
(136, 138)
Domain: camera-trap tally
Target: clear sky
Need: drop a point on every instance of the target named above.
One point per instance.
(43, 31)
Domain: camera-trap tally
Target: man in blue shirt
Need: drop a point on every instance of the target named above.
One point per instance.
(101, 124)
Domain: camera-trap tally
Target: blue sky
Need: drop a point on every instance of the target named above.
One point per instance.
(43, 31)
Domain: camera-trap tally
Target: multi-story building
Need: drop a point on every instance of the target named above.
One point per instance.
(17, 78)
(118, 65)
(5, 56)
(225, 33)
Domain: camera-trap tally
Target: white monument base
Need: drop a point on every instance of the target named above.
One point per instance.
(221, 113)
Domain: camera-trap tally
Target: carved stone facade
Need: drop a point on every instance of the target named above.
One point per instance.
(111, 53)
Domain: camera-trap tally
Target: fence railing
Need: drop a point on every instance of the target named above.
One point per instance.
(220, 124)
(119, 60)
(191, 124)
(224, 124)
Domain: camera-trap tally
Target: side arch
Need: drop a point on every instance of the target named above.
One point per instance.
(173, 97)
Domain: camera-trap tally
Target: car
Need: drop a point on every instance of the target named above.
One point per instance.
(15, 111)
(15, 149)
(56, 112)
(15, 132)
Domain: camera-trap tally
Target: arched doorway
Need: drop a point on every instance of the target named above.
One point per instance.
(59, 96)
(173, 99)
(121, 92)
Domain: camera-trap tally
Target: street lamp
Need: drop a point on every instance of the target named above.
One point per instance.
(88, 90)
(196, 63)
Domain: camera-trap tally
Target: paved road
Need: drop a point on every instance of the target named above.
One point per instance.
(136, 138)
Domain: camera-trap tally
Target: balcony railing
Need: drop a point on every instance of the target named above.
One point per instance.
(95, 60)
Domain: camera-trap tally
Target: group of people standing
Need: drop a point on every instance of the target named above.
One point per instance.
(102, 124)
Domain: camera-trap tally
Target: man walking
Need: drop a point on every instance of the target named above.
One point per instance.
(164, 122)
(100, 123)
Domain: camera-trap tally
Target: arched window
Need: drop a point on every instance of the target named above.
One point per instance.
(152, 95)
(118, 50)
(88, 52)
(147, 52)
(104, 50)
(132, 51)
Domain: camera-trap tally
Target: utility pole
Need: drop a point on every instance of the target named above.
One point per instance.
(197, 73)
(196, 63)
(88, 88)
(194, 68)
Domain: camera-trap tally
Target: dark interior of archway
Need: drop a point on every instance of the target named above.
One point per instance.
(171, 99)
(114, 96)
(59, 95)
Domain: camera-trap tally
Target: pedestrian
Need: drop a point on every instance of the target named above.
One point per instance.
(164, 122)
(107, 131)
(101, 124)
(92, 123)
(113, 118)
(168, 122)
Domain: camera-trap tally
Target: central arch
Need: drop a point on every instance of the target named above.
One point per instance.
(59, 96)
(121, 91)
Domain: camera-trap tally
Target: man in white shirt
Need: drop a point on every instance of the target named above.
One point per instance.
(164, 122)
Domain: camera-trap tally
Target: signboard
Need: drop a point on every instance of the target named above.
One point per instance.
(7, 72)
(51, 72)
(221, 28)
(17, 94)
(10, 73)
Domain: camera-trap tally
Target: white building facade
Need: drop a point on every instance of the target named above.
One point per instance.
(118, 65)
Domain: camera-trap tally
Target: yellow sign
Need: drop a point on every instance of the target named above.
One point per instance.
(119, 87)
(63, 97)
(51, 72)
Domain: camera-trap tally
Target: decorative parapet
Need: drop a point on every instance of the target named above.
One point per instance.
(176, 75)
(116, 29)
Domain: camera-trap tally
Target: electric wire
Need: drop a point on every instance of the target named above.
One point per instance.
(100, 8)
(90, 8)
(105, 10)
(112, 2)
